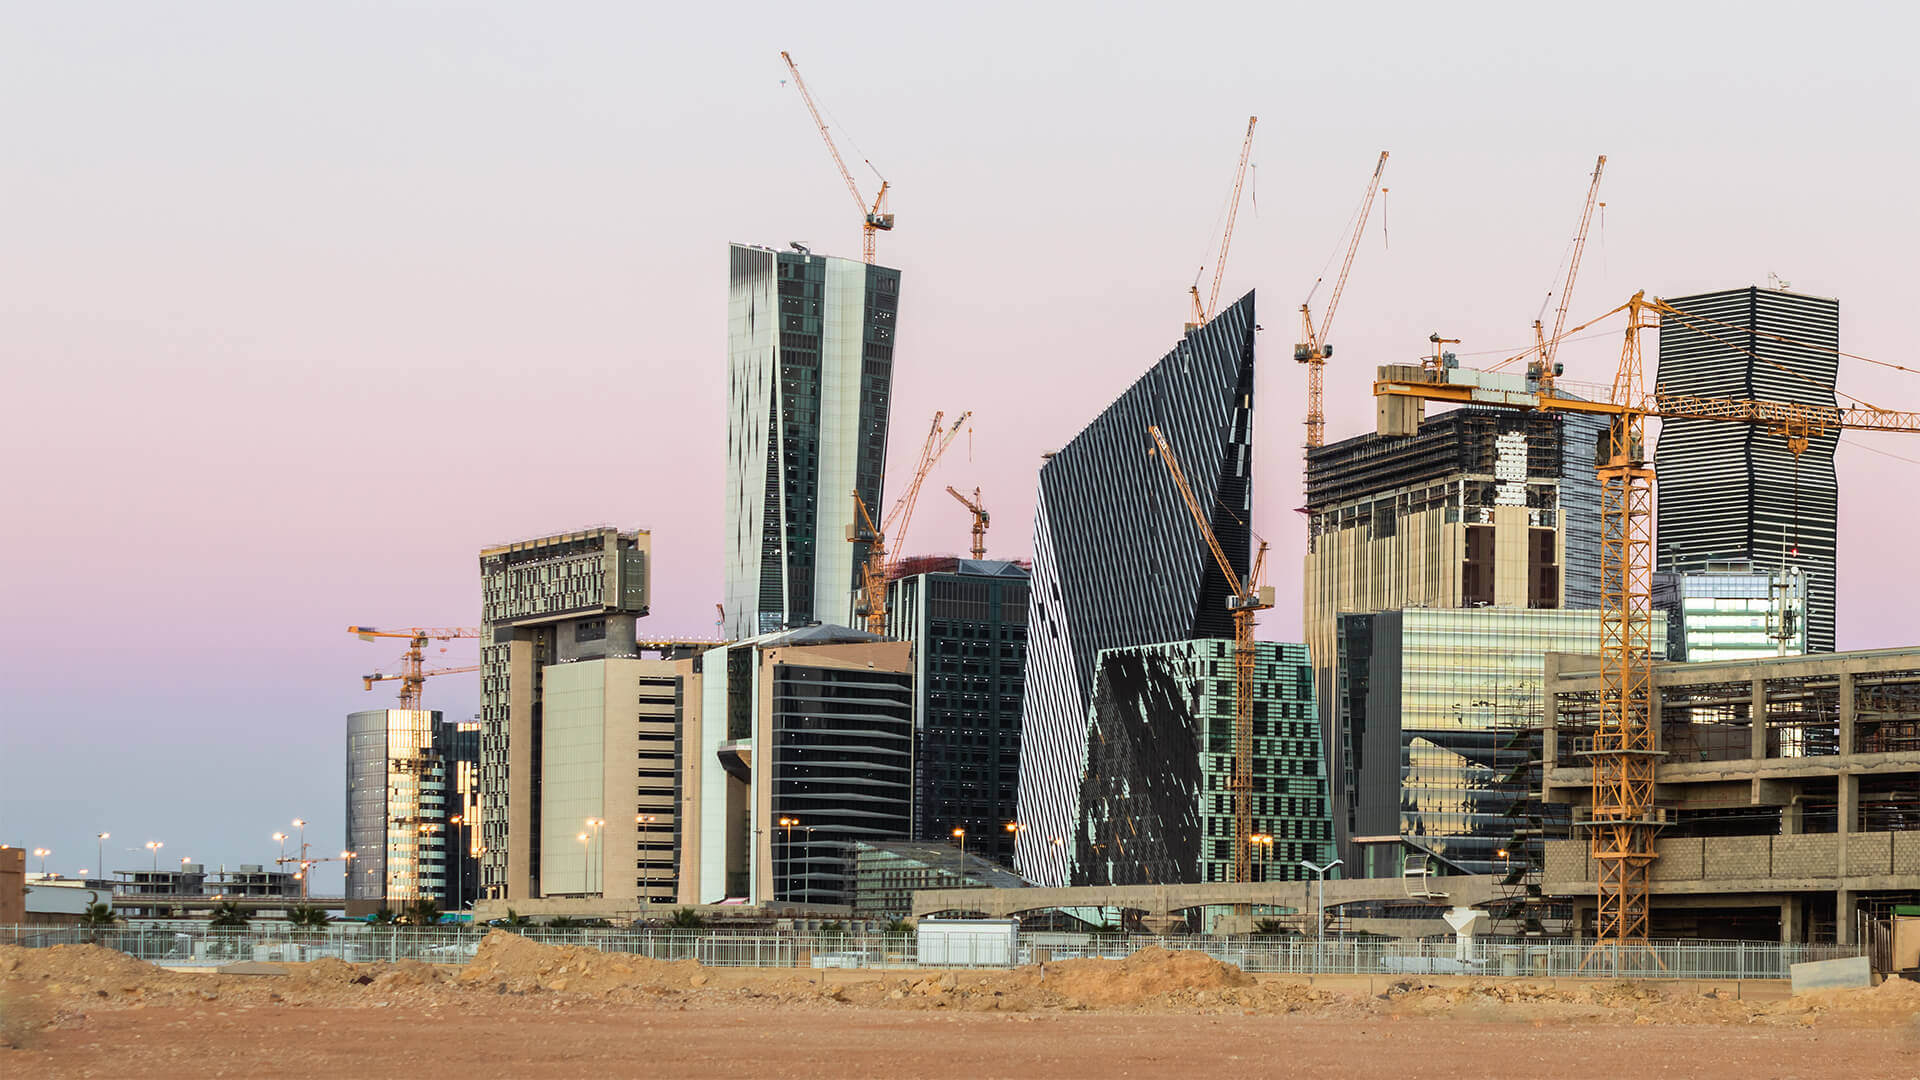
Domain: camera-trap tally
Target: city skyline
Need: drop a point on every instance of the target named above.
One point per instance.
(251, 382)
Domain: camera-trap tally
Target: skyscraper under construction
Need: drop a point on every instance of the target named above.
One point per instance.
(1738, 492)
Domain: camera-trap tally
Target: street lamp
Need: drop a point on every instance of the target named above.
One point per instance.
(100, 851)
(644, 822)
(459, 853)
(788, 823)
(154, 846)
(301, 824)
(594, 825)
(1320, 923)
(1262, 840)
(586, 855)
(42, 854)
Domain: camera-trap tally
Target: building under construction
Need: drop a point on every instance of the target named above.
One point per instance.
(1788, 792)
(1490, 510)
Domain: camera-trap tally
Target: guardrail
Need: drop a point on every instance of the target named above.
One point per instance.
(1535, 958)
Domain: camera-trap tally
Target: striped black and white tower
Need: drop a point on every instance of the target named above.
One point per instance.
(1117, 561)
(1735, 492)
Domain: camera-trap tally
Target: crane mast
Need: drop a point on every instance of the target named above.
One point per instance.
(1201, 313)
(878, 569)
(1247, 600)
(1313, 349)
(981, 519)
(873, 218)
(1543, 369)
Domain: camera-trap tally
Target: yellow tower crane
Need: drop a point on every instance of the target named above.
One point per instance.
(1247, 599)
(981, 519)
(873, 218)
(1622, 747)
(414, 673)
(1203, 312)
(1542, 368)
(878, 568)
(1313, 349)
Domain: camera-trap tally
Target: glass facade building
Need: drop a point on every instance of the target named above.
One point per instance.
(397, 799)
(885, 875)
(1437, 713)
(1156, 805)
(968, 621)
(809, 383)
(1733, 612)
(795, 746)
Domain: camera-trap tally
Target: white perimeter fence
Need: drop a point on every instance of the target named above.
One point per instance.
(1535, 958)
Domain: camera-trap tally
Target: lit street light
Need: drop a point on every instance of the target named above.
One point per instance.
(1262, 840)
(594, 825)
(154, 846)
(788, 823)
(42, 854)
(645, 822)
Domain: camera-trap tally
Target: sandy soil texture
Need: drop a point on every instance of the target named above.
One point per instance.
(527, 1010)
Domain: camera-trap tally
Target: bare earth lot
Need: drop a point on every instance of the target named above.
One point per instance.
(524, 1010)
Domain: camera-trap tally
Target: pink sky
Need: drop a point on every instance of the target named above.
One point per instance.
(300, 309)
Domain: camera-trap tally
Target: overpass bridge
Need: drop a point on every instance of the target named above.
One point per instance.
(1166, 900)
(182, 903)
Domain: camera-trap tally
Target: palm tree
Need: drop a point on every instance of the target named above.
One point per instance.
(228, 916)
(515, 920)
(308, 917)
(386, 916)
(686, 919)
(422, 912)
(900, 926)
(98, 916)
(563, 922)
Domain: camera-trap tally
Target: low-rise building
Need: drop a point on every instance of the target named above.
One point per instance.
(1788, 788)
(795, 746)
(885, 874)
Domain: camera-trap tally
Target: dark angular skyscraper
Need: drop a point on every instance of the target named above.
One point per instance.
(1118, 562)
(1736, 492)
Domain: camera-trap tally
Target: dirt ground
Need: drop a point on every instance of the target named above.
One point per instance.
(527, 1010)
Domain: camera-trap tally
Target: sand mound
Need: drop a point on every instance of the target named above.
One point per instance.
(1150, 973)
(74, 964)
(1894, 999)
(519, 965)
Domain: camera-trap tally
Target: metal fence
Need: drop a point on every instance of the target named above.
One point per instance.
(1535, 958)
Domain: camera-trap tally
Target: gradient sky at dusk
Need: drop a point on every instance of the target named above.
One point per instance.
(302, 306)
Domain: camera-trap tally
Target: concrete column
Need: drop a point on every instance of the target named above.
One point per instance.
(1759, 713)
(1790, 911)
(1845, 908)
(1846, 712)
